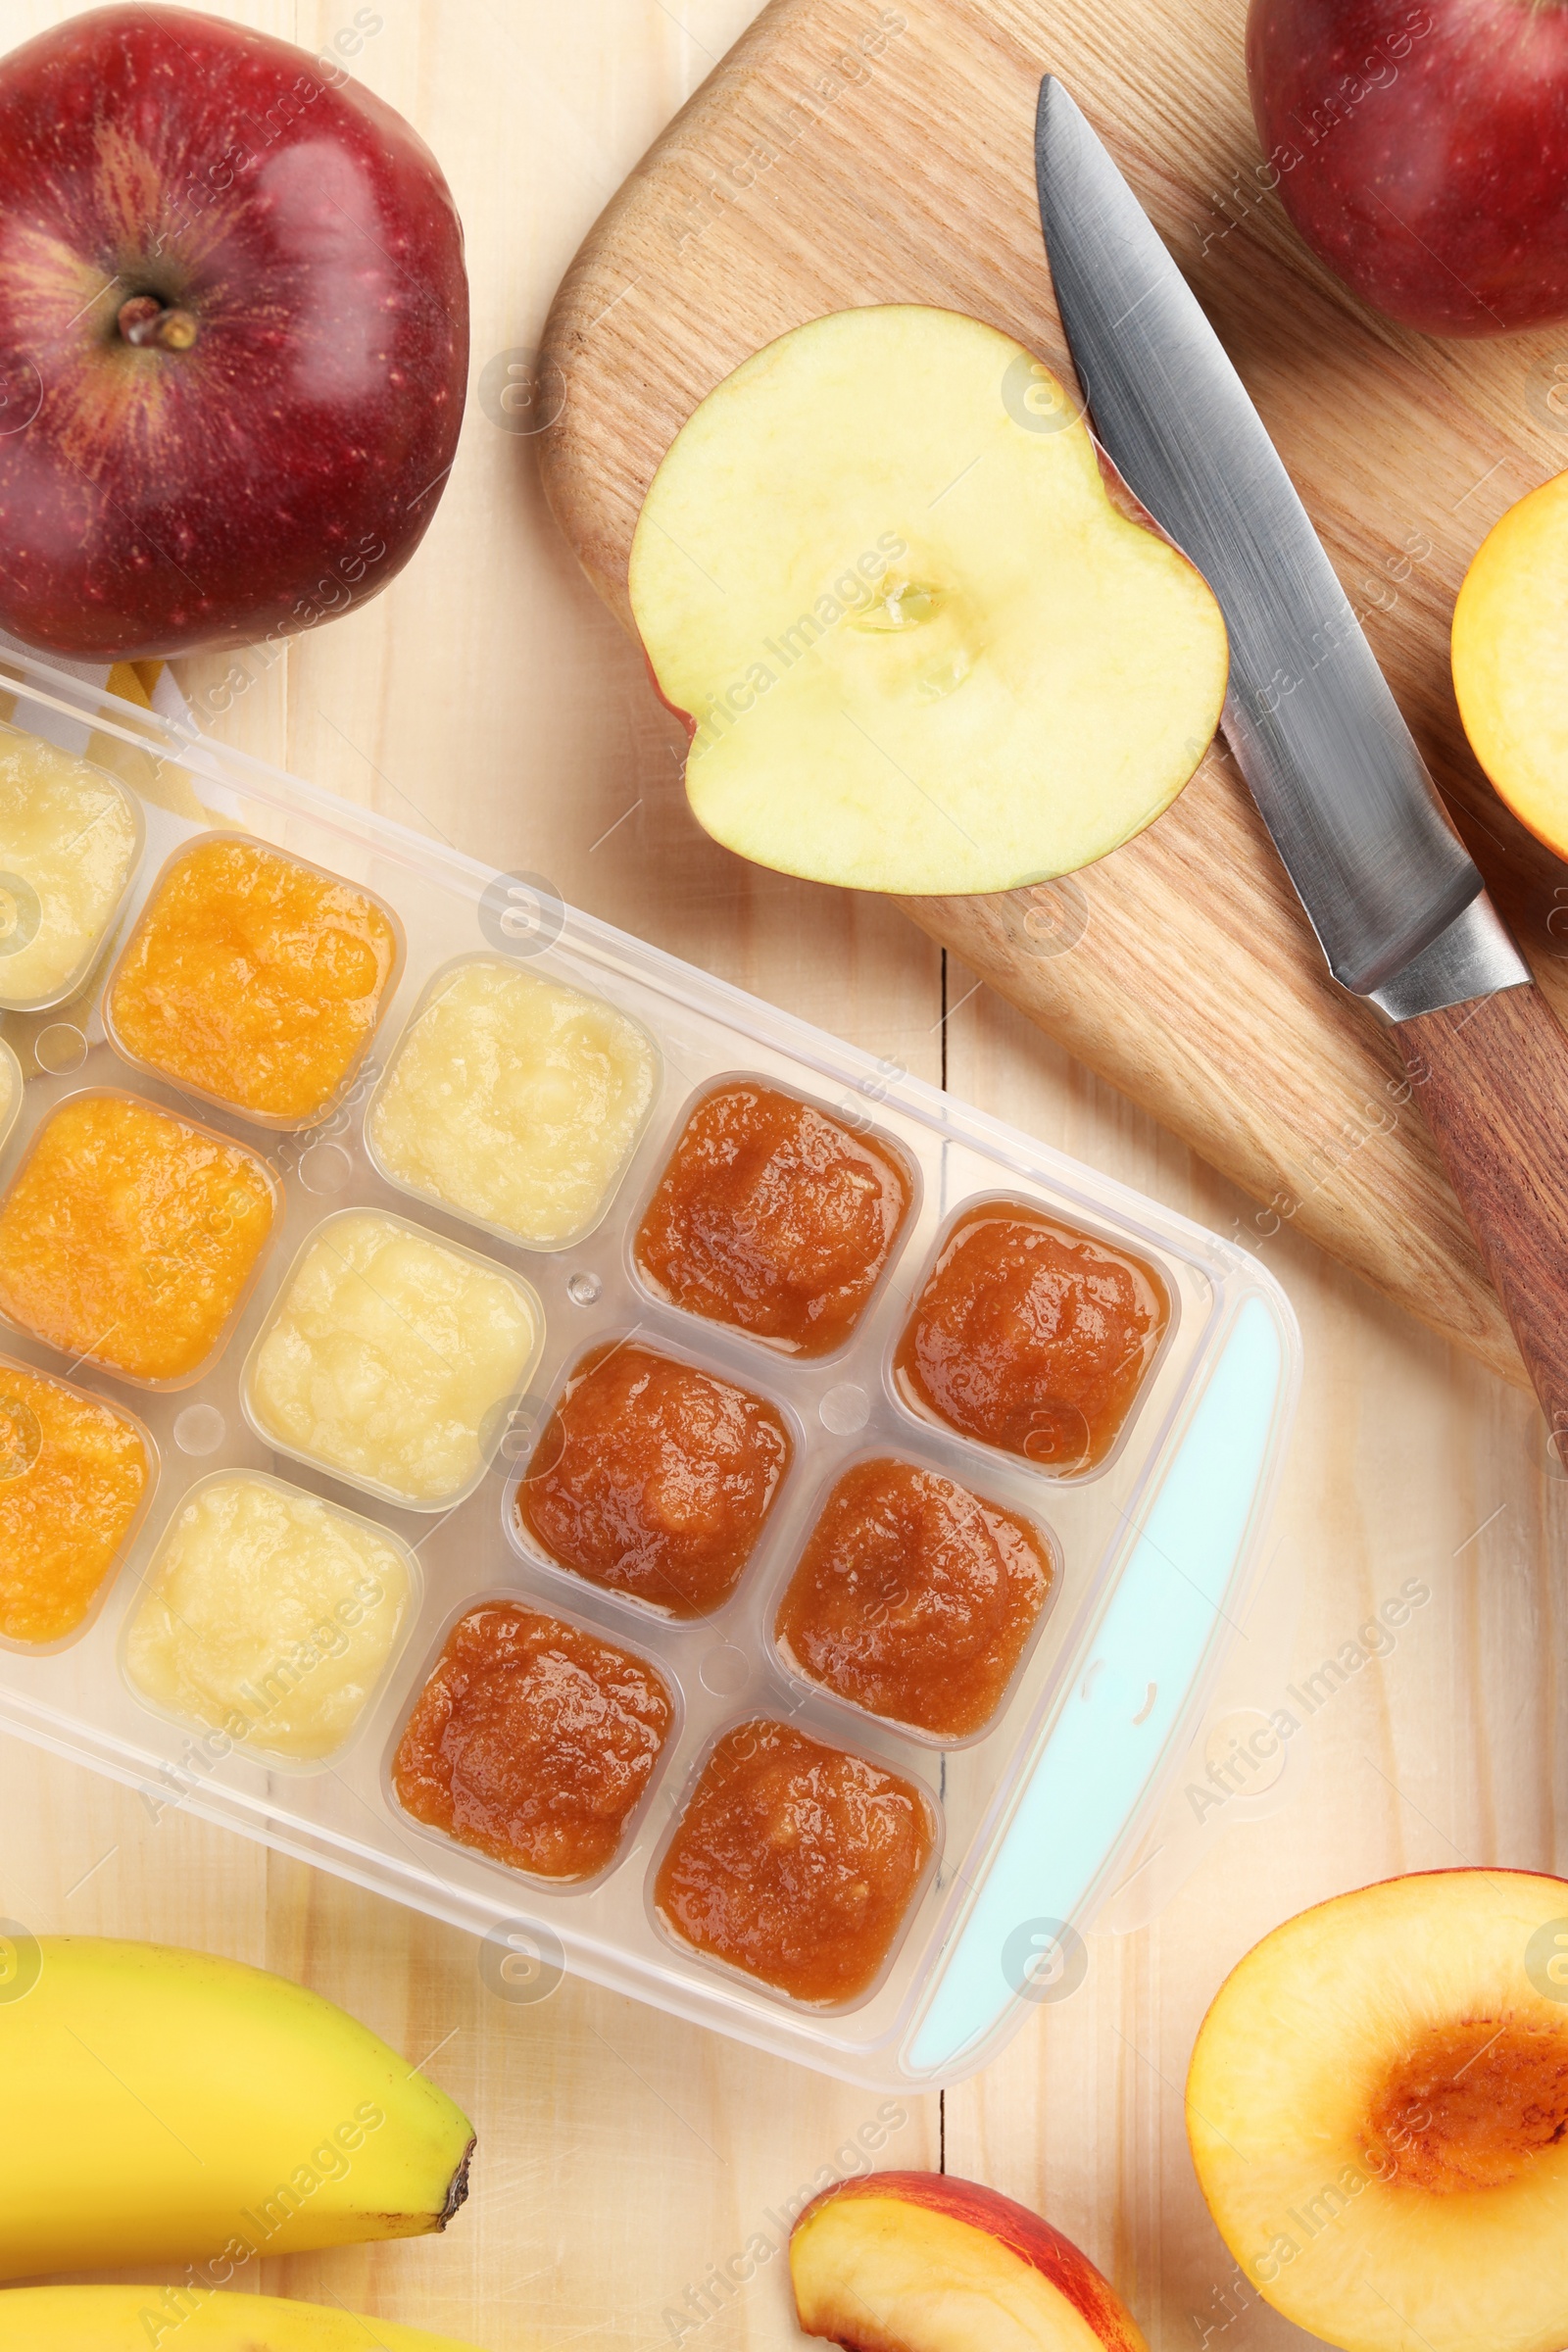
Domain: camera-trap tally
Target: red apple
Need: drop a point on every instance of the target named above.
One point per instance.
(921, 2262)
(233, 336)
(1421, 148)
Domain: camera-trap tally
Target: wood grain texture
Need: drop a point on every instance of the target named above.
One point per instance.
(490, 698)
(1492, 1080)
(847, 151)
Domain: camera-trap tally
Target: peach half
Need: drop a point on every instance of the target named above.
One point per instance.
(919, 2262)
(1378, 2110)
(1510, 659)
(922, 637)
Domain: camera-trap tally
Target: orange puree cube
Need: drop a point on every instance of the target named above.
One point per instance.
(254, 979)
(129, 1236)
(75, 1473)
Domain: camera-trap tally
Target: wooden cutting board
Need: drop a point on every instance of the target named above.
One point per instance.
(848, 151)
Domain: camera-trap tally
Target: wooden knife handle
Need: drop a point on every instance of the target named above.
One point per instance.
(1492, 1078)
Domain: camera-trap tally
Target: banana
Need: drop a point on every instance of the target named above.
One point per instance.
(164, 2106)
(154, 2319)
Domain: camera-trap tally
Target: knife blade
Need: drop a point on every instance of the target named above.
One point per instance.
(1398, 904)
(1315, 730)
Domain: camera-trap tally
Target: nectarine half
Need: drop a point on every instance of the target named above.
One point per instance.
(1378, 2111)
(1510, 659)
(922, 638)
(921, 2261)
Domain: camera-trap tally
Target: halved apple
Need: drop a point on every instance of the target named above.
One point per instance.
(920, 649)
(1510, 659)
(1378, 2111)
(921, 2262)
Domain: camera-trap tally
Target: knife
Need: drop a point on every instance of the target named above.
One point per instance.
(1398, 904)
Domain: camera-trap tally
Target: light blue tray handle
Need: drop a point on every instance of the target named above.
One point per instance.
(1106, 1743)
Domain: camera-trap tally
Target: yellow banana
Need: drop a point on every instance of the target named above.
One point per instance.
(154, 2319)
(165, 2106)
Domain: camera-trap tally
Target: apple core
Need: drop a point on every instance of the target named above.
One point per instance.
(145, 320)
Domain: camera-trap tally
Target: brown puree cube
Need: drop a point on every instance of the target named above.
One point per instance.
(914, 1599)
(652, 1478)
(774, 1217)
(532, 1740)
(795, 1862)
(1032, 1337)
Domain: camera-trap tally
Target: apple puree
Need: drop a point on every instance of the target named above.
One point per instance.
(73, 1474)
(253, 979)
(773, 1216)
(914, 1598)
(533, 1740)
(795, 1862)
(268, 1615)
(1032, 1337)
(1471, 2105)
(516, 1101)
(390, 1358)
(69, 838)
(129, 1236)
(652, 1478)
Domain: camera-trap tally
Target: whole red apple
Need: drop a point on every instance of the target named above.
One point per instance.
(1422, 151)
(233, 336)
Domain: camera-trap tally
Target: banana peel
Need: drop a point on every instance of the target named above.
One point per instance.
(166, 2106)
(154, 2318)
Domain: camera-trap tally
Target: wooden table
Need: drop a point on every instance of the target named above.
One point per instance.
(488, 698)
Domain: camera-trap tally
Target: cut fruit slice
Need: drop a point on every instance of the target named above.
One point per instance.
(919, 648)
(921, 2261)
(1510, 659)
(1378, 2111)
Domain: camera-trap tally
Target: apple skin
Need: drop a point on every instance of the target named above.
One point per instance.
(1021, 2234)
(1421, 148)
(285, 465)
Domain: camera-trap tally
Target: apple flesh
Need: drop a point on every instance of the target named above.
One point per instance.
(233, 336)
(917, 644)
(921, 2261)
(1378, 2110)
(1422, 151)
(1510, 659)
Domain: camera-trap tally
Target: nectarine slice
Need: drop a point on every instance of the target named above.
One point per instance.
(1510, 659)
(1378, 2111)
(919, 647)
(921, 2261)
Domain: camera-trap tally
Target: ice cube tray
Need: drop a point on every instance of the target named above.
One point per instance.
(1156, 1550)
